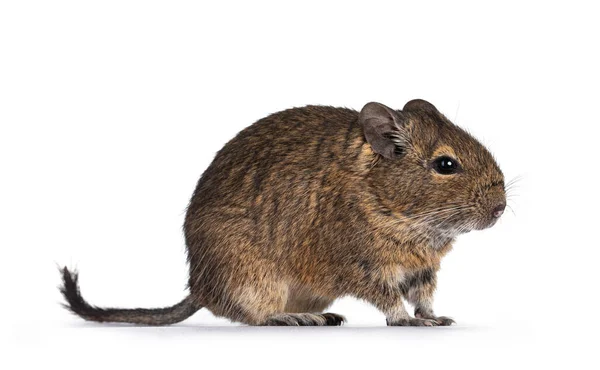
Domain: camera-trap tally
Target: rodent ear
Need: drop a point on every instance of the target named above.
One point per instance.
(420, 104)
(384, 130)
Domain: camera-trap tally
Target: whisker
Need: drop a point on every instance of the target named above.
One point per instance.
(513, 183)
(435, 211)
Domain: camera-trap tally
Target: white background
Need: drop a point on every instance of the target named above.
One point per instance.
(111, 110)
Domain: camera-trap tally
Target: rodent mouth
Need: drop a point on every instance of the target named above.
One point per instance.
(486, 224)
(463, 225)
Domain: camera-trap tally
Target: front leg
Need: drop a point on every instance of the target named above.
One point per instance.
(418, 289)
(388, 299)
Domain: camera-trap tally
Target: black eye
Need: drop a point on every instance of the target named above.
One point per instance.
(445, 165)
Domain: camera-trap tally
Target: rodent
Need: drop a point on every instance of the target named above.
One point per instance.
(311, 204)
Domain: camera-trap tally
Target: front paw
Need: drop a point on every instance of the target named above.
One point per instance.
(440, 320)
(412, 322)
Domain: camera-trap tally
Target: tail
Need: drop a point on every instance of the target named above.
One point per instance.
(142, 316)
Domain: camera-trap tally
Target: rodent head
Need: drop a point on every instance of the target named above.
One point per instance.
(432, 173)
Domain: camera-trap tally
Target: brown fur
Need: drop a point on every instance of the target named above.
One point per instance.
(315, 203)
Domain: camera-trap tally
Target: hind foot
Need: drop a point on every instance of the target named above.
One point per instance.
(305, 319)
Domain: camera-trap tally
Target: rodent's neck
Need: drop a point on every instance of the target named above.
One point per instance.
(401, 228)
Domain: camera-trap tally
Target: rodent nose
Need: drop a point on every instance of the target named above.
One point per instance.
(499, 210)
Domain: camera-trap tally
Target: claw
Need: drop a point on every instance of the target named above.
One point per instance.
(440, 320)
(445, 321)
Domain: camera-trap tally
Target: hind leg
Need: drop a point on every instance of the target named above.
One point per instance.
(304, 309)
(269, 302)
(250, 290)
(298, 302)
(268, 306)
(254, 303)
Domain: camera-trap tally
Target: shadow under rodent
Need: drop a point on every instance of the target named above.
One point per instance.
(311, 204)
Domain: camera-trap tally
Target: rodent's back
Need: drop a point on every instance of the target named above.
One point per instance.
(298, 139)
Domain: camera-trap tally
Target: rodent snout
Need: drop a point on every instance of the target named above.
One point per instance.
(499, 210)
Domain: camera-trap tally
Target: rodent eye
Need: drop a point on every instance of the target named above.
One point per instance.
(446, 165)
